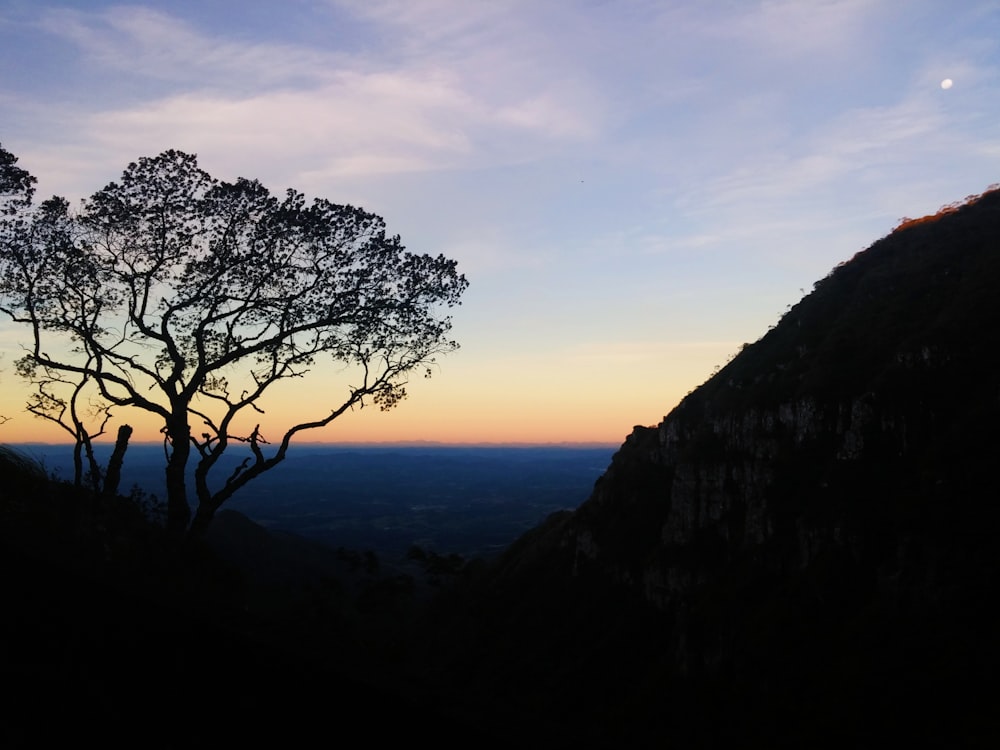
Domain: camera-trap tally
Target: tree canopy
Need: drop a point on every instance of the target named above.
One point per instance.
(187, 297)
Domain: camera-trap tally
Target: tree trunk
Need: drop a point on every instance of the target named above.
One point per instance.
(94, 467)
(113, 476)
(202, 518)
(78, 464)
(178, 510)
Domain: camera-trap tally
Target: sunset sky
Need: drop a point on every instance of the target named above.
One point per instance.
(633, 188)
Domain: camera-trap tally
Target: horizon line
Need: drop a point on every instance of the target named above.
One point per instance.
(383, 443)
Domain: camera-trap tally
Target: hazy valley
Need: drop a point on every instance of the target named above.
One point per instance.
(468, 500)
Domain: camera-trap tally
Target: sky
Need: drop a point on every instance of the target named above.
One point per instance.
(633, 188)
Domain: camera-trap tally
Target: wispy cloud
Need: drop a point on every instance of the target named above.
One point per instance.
(142, 42)
(787, 29)
(384, 121)
(323, 111)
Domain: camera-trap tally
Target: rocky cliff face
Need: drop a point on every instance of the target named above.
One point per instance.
(814, 526)
(862, 424)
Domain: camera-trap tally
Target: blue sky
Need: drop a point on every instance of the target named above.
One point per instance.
(633, 189)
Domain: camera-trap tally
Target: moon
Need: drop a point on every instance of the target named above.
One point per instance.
(946, 83)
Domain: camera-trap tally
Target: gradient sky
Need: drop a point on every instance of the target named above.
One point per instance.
(633, 188)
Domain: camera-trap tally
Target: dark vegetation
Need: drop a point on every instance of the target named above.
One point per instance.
(113, 633)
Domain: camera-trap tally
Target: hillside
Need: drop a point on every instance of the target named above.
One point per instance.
(803, 549)
(112, 634)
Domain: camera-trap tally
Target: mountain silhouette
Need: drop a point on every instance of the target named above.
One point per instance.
(803, 550)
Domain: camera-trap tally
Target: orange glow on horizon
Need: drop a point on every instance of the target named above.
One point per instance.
(595, 396)
(427, 416)
(369, 426)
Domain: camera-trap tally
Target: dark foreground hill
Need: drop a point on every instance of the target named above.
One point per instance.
(110, 635)
(804, 550)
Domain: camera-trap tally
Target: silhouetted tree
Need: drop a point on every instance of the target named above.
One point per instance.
(59, 399)
(17, 186)
(188, 297)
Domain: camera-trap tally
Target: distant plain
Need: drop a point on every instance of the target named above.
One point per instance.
(466, 500)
